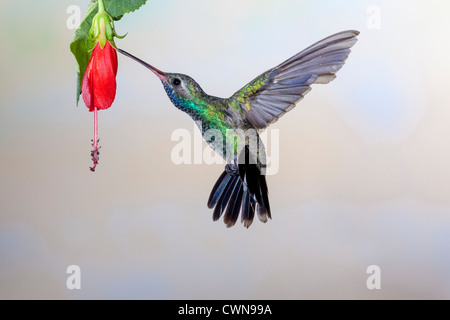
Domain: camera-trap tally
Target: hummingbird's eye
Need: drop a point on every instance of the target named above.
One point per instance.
(176, 82)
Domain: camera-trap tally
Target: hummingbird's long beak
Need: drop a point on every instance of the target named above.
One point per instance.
(161, 75)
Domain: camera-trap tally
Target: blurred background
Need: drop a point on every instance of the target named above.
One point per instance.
(364, 161)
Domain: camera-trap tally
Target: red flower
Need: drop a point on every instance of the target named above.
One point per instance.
(99, 81)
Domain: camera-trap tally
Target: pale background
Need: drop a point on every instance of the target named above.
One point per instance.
(364, 160)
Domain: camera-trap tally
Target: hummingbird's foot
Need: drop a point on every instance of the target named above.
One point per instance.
(232, 170)
(95, 154)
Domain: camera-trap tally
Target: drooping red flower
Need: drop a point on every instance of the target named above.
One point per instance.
(99, 81)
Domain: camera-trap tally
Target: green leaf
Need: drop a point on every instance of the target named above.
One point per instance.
(81, 46)
(117, 8)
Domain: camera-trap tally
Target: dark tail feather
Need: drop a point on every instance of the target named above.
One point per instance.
(264, 206)
(256, 183)
(248, 209)
(234, 205)
(218, 188)
(225, 197)
(247, 188)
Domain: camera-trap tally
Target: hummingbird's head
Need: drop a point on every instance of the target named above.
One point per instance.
(179, 87)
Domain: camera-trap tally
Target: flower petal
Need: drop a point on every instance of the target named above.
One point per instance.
(99, 82)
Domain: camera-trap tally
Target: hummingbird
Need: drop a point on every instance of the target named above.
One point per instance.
(242, 187)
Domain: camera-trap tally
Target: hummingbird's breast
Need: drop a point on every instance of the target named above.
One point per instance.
(222, 125)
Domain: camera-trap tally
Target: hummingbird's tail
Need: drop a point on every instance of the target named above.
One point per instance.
(243, 186)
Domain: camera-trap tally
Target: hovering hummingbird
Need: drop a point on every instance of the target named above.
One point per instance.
(251, 109)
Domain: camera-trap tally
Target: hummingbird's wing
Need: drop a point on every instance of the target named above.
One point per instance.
(276, 91)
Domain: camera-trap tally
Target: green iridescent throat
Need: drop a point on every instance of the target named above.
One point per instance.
(208, 110)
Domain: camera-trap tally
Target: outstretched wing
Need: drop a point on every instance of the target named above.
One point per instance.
(275, 92)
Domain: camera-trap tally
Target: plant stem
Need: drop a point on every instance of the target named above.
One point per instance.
(101, 6)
